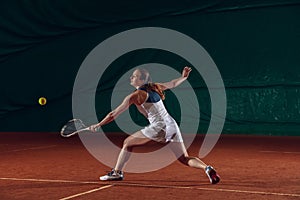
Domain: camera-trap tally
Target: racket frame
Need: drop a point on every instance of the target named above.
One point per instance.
(73, 133)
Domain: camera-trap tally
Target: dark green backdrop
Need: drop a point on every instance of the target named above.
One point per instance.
(255, 44)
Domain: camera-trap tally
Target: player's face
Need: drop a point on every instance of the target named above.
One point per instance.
(135, 80)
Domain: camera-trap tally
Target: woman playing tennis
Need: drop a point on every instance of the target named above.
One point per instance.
(163, 128)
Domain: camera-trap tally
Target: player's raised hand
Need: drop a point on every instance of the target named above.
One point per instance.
(186, 71)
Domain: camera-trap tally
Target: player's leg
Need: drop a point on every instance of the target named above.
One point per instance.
(181, 153)
(136, 139)
(131, 141)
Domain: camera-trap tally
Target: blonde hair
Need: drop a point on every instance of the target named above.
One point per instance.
(145, 75)
(148, 85)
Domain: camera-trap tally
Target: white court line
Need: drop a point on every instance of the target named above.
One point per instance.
(209, 189)
(287, 152)
(87, 192)
(49, 180)
(158, 186)
(32, 148)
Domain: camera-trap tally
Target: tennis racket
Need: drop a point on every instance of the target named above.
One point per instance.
(73, 127)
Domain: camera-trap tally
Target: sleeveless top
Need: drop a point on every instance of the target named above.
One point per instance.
(154, 106)
(162, 127)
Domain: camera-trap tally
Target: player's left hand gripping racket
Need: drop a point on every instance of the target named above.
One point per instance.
(73, 127)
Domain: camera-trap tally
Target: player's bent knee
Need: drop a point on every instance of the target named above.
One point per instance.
(183, 159)
(128, 142)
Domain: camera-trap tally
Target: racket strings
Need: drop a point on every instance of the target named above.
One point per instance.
(72, 126)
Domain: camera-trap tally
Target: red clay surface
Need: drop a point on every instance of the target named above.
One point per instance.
(46, 166)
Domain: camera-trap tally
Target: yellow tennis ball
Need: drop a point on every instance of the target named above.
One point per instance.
(42, 101)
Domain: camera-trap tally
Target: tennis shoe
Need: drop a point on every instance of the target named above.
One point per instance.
(214, 178)
(113, 176)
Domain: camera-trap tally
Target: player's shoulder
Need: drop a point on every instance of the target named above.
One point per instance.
(138, 96)
(138, 93)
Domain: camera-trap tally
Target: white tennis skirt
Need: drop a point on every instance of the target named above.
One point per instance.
(163, 131)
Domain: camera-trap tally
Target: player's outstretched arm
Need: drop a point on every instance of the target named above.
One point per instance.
(133, 98)
(175, 82)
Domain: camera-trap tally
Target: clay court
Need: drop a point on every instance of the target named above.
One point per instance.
(46, 166)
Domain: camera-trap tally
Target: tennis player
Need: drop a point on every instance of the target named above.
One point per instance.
(163, 128)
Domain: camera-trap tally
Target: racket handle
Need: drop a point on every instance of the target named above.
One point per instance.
(97, 129)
